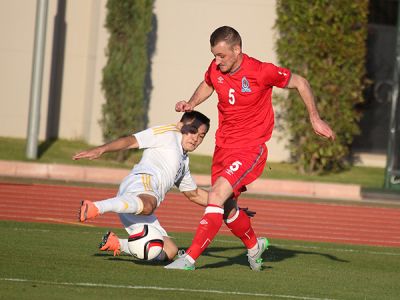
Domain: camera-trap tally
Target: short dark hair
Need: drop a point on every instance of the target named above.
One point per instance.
(192, 120)
(226, 34)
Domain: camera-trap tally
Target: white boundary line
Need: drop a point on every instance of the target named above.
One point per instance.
(158, 288)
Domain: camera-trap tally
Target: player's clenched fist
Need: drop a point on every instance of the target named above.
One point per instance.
(183, 106)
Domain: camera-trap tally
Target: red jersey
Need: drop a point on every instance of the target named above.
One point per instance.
(245, 113)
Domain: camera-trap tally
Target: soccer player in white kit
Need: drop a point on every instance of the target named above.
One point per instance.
(164, 163)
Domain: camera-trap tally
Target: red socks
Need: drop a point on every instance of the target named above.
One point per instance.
(206, 231)
(210, 224)
(240, 226)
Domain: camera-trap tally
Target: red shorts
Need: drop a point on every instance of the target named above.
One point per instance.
(239, 166)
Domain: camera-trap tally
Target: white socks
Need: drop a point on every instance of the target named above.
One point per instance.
(121, 204)
(123, 246)
(190, 259)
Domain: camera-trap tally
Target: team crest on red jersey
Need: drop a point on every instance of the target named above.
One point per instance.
(220, 79)
(245, 85)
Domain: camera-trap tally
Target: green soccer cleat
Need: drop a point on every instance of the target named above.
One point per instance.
(256, 260)
(182, 263)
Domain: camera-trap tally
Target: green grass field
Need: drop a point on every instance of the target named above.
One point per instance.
(48, 261)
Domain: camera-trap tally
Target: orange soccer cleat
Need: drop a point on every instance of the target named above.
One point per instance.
(87, 211)
(110, 242)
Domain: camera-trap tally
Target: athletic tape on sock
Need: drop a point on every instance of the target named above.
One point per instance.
(235, 216)
(140, 205)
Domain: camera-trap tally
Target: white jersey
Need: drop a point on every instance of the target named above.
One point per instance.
(164, 160)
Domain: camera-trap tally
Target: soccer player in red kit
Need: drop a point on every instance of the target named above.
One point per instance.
(246, 120)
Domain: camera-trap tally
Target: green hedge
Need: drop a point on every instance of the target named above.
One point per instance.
(324, 41)
(129, 23)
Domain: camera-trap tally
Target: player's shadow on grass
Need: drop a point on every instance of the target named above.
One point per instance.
(277, 254)
(273, 254)
(128, 259)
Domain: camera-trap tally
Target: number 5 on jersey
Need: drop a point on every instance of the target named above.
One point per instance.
(231, 96)
(234, 167)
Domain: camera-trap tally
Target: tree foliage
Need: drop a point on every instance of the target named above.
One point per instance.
(129, 23)
(324, 41)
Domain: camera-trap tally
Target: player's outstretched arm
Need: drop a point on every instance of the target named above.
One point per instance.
(201, 94)
(303, 87)
(127, 142)
(198, 196)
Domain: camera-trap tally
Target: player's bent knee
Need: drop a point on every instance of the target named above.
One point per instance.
(149, 204)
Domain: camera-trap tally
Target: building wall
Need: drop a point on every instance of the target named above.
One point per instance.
(183, 53)
(17, 29)
(75, 55)
(72, 74)
(71, 77)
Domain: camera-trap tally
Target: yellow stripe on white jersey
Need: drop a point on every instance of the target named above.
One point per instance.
(146, 182)
(162, 129)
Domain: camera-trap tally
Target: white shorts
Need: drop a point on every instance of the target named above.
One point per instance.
(130, 220)
(136, 184)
